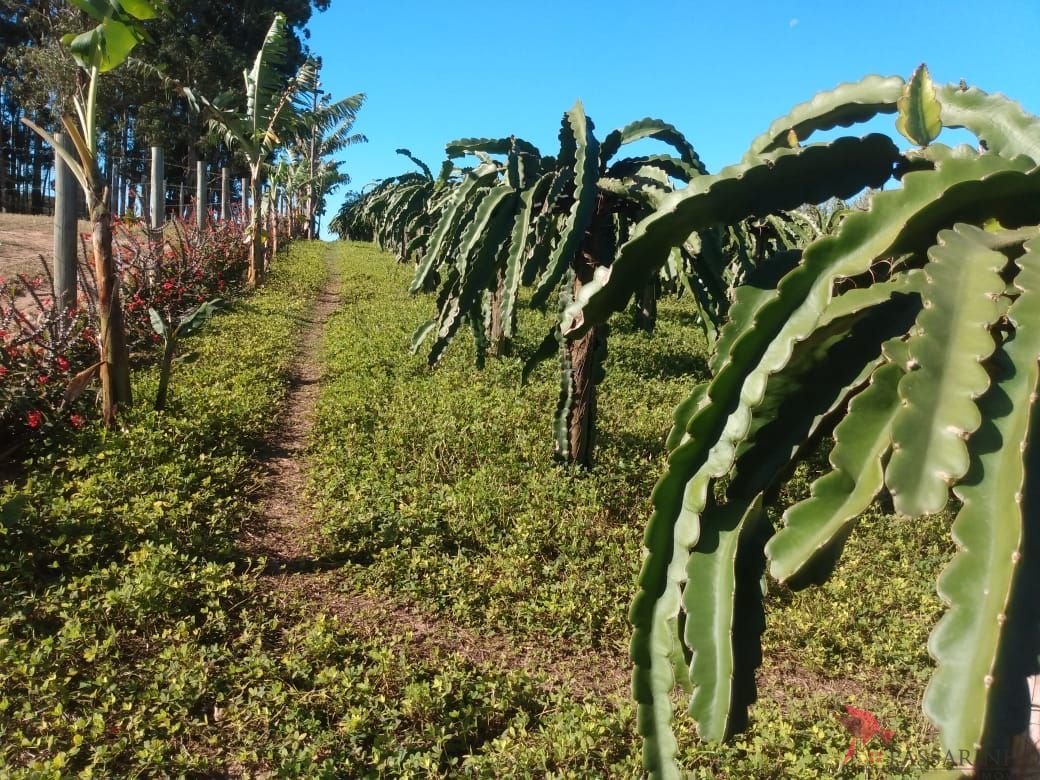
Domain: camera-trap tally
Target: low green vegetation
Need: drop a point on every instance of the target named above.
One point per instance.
(435, 488)
(122, 620)
(136, 637)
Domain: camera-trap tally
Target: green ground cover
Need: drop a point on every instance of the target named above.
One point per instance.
(437, 487)
(136, 638)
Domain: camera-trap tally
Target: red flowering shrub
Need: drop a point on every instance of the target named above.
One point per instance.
(174, 275)
(41, 349)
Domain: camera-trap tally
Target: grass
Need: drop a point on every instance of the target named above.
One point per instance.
(136, 637)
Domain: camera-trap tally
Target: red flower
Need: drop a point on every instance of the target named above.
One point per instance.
(63, 364)
(43, 379)
(77, 421)
(35, 418)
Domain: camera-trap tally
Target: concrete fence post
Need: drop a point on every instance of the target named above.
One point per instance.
(65, 210)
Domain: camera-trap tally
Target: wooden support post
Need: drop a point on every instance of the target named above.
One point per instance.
(244, 216)
(158, 190)
(180, 201)
(146, 202)
(225, 194)
(66, 190)
(200, 195)
(3, 164)
(112, 178)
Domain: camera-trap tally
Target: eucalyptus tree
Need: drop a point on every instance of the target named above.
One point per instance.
(912, 334)
(98, 50)
(203, 42)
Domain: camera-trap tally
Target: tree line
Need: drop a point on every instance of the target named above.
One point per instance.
(206, 44)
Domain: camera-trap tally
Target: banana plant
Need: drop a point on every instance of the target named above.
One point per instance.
(98, 50)
(171, 336)
(289, 176)
(306, 184)
(324, 129)
(912, 335)
(276, 177)
(272, 108)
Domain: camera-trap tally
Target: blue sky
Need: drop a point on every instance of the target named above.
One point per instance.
(719, 71)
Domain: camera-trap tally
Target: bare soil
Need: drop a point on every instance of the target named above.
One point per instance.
(23, 239)
(26, 246)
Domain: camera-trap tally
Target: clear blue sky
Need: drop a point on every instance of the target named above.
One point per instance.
(719, 71)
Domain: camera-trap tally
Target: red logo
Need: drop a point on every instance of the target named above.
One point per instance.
(864, 726)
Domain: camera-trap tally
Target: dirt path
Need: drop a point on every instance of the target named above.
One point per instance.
(287, 536)
(284, 534)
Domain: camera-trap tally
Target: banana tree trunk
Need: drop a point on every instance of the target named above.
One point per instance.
(115, 359)
(308, 213)
(256, 246)
(165, 369)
